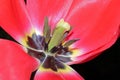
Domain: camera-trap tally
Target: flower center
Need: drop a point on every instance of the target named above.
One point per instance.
(51, 49)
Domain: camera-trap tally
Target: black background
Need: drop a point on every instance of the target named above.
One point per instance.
(104, 67)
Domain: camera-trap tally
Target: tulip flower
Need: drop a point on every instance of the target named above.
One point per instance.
(53, 34)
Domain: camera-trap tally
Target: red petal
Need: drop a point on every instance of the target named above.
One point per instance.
(67, 74)
(53, 9)
(15, 63)
(95, 22)
(90, 55)
(13, 17)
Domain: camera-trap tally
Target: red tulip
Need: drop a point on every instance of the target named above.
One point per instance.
(48, 43)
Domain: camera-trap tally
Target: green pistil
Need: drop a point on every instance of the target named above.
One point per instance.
(58, 34)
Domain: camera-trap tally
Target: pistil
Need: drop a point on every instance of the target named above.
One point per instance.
(58, 34)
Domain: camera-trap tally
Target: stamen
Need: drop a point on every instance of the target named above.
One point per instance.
(70, 42)
(46, 30)
(51, 48)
